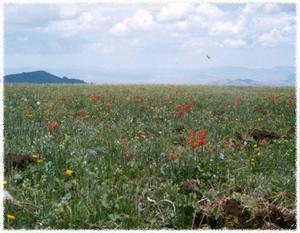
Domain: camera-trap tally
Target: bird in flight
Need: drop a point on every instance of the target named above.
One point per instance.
(208, 57)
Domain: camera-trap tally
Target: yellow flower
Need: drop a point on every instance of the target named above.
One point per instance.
(10, 217)
(253, 161)
(39, 161)
(5, 182)
(69, 172)
(35, 155)
(254, 145)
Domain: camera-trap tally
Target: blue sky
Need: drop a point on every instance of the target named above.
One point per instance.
(91, 41)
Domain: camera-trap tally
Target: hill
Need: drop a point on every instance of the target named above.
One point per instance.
(38, 77)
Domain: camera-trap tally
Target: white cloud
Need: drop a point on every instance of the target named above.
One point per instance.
(272, 38)
(271, 7)
(71, 27)
(234, 43)
(141, 20)
(226, 27)
(69, 10)
(209, 11)
(174, 11)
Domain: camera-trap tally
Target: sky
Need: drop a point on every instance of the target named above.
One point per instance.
(94, 41)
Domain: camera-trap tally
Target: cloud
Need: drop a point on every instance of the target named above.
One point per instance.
(209, 11)
(234, 43)
(174, 11)
(272, 38)
(69, 10)
(71, 27)
(227, 27)
(141, 20)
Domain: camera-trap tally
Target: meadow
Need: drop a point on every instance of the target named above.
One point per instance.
(149, 157)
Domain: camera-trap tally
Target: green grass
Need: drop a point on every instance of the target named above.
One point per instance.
(112, 182)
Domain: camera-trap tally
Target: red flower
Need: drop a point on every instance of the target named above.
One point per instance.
(238, 101)
(108, 103)
(137, 99)
(202, 141)
(82, 113)
(290, 103)
(97, 120)
(211, 149)
(188, 107)
(96, 97)
(173, 156)
(53, 125)
(201, 133)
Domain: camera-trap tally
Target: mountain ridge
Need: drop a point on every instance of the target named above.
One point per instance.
(39, 77)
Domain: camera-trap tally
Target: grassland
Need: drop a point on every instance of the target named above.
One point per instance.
(121, 157)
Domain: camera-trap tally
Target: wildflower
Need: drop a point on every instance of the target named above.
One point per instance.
(53, 125)
(29, 112)
(38, 103)
(290, 103)
(173, 156)
(35, 155)
(211, 149)
(188, 107)
(5, 182)
(253, 161)
(97, 120)
(69, 172)
(108, 103)
(202, 141)
(39, 161)
(254, 145)
(238, 101)
(96, 97)
(137, 99)
(10, 217)
(124, 141)
(222, 156)
(162, 155)
(82, 113)
(201, 133)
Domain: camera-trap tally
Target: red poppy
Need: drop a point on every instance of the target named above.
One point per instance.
(188, 107)
(53, 125)
(108, 103)
(212, 149)
(201, 133)
(173, 156)
(137, 99)
(290, 103)
(202, 141)
(97, 120)
(82, 113)
(96, 97)
(238, 101)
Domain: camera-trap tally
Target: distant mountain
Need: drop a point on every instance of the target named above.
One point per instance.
(38, 77)
(237, 82)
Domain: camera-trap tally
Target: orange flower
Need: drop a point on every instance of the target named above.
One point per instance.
(290, 103)
(96, 97)
(53, 125)
(238, 101)
(173, 156)
(82, 113)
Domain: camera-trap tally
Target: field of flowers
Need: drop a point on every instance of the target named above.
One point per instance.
(149, 157)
